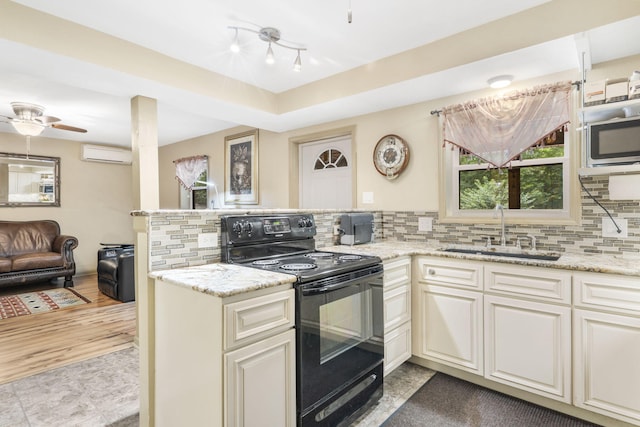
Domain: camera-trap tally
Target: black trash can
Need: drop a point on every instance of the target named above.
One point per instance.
(116, 272)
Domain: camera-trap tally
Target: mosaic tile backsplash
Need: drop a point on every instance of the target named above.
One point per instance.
(173, 235)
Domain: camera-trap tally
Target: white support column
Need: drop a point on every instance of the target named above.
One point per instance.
(144, 144)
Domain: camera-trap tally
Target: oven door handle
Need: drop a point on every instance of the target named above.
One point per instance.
(335, 286)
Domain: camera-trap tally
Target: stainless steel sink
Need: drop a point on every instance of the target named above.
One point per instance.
(505, 252)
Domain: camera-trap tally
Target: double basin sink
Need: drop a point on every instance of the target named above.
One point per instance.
(501, 251)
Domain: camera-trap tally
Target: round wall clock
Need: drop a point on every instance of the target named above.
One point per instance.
(391, 156)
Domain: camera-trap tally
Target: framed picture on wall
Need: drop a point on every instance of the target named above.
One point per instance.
(241, 168)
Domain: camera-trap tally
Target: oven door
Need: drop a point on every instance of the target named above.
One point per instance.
(340, 342)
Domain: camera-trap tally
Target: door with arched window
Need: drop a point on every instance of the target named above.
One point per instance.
(326, 174)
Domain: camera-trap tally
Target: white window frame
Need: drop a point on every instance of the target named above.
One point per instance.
(186, 196)
(450, 191)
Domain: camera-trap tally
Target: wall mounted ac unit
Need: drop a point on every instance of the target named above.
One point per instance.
(103, 153)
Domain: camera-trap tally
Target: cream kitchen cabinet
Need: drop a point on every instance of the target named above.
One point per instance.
(607, 345)
(528, 340)
(224, 361)
(447, 307)
(397, 312)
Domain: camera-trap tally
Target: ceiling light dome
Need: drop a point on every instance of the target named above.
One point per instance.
(500, 81)
(27, 127)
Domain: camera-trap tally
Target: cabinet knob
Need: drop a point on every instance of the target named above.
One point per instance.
(431, 272)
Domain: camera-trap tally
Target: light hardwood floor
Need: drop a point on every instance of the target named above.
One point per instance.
(39, 342)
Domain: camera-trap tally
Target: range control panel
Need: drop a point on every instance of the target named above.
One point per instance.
(260, 228)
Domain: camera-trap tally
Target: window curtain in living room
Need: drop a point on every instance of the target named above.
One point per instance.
(498, 129)
(188, 169)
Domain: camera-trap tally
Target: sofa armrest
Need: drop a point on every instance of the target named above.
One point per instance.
(65, 245)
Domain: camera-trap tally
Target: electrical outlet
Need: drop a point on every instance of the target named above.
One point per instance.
(425, 223)
(207, 240)
(609, 229)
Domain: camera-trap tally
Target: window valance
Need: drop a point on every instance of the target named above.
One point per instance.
(498, 129)
(188, 169)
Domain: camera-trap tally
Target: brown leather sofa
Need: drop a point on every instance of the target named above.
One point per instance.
(32, 251)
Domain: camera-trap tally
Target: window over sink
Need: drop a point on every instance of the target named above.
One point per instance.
(535, 186)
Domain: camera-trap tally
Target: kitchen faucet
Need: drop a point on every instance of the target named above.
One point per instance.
(503, 236)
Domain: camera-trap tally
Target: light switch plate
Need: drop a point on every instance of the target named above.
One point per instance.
(207, 240)
(609, 229)
(425, 223)
(367, 197)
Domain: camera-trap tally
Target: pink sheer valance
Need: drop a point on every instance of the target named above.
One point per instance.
(188, 169)
(498, 129)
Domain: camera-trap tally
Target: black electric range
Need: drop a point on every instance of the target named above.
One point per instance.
(338, 318)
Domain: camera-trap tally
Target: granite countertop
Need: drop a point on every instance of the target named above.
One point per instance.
(390, 249)
(223, 280)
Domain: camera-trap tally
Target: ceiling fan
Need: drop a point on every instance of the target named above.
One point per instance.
(31, 122)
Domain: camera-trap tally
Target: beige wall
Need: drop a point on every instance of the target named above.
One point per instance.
(96, 198)
(416, 189)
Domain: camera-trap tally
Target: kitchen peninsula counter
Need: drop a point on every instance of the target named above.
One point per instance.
(222, 280)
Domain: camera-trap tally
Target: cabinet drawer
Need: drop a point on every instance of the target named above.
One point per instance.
(543, 284)
(397, 272)
(607, 291)
(462, 274)
(252, 319)
(397, 306)
(397, 347)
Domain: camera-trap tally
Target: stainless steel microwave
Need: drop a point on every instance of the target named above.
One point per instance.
(614, 142)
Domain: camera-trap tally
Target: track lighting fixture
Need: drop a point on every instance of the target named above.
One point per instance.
(235, 45)
(272, 36)
(270, 59)
(297, 65)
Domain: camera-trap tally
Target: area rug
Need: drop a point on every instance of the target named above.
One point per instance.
(445, 401)
(39, 302)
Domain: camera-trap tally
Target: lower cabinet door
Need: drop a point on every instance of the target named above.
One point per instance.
(528, 346)
(260, 384)
(607, 364)
(397, 347)
(451, 327)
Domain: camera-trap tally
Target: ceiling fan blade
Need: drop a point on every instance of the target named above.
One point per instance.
(46, 120)
(66, 127)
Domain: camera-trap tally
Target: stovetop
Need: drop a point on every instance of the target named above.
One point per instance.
(314, 265)
(284, 243)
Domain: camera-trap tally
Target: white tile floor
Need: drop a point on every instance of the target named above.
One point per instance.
(104, 392)
(96, 392)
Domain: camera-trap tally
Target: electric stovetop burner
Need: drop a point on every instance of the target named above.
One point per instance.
(265, 262)
(298, 267)
(320, 255)
(349, 257)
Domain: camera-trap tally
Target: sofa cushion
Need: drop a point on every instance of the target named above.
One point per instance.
(36, 260)
(17, 238)
(5, 265)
